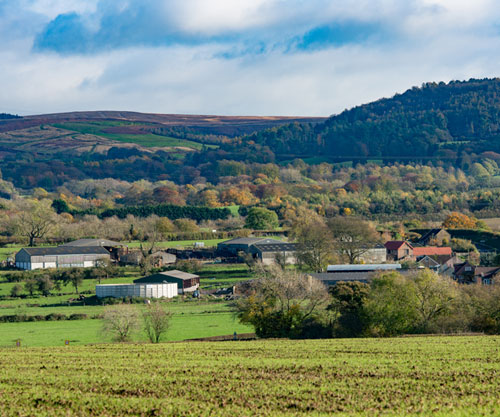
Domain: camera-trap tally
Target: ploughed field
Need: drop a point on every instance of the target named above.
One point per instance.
(438, 376)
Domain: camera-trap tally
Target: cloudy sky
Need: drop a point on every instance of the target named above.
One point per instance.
(236, 57)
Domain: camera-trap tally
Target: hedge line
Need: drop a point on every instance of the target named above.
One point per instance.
(17, 318)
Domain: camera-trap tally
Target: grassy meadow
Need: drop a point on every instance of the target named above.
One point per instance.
(146, 139)
(191, 318)
(418, 376)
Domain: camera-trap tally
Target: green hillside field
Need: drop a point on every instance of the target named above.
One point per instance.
(424, 376)
(146, 139)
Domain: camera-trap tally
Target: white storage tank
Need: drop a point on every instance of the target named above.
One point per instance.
(163, 290)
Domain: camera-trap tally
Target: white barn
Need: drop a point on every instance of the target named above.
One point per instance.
(60, 257)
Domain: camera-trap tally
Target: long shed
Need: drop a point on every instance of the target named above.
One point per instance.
(60, 257)
(163, 290)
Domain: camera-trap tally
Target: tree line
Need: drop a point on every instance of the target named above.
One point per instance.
(285, 303)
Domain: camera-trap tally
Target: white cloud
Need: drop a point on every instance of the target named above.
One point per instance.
(195, 79)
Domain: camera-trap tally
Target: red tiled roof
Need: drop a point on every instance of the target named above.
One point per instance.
(395, 244)
(431, 251)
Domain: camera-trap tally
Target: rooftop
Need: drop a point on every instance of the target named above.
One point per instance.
(362, 267)
(396, 244)
(67, 250)
(249, 241)
(94, 242)
(277, 247)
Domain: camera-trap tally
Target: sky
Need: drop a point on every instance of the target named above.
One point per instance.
(236, 57)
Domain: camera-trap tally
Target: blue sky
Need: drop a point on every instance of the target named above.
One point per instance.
(236, 57)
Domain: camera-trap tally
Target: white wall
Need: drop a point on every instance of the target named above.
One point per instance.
(137, 290)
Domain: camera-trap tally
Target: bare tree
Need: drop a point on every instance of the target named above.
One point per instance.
(121, 321)
(36, 220)
(352, 237)
(315, 239)
(156, 321)
(152, 235)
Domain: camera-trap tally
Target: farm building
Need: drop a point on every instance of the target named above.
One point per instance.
(185, 282)
(158, 259)
(334, 269)
(264, 249)
(374, 255)
(243, 244)
(166, 290)
(355, 273)
(435, 237)
(116, 249)
(267, 253)
(60, 257)
(398, 249)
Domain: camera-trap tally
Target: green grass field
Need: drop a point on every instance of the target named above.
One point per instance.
(191, 318)
(147, 140)
(420, 376)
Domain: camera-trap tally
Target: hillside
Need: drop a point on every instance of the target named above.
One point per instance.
(437, 121)
(455, 124)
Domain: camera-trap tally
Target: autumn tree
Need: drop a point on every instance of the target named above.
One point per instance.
(352, 237)
(457, 220)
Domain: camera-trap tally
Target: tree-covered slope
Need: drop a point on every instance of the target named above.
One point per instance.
(437, 120)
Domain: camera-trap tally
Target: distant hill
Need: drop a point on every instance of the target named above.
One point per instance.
(437, 121)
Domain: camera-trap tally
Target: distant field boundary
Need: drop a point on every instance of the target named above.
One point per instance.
(224, 338)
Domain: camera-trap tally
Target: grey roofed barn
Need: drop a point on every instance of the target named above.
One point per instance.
(60, 257)
(66, 250)
(330, 279)
(186, 282)
(277, 247)
(94, 242)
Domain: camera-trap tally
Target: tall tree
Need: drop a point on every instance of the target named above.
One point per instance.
(36, 219)
(315, 239)
(352, 237)
(156, 321)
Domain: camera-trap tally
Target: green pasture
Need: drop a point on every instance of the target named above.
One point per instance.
(418, 376)
(147, 140)
(183, 325)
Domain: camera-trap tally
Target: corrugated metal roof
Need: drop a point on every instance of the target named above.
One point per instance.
(93, 242)
(277, 247)
(364, 276)
(160, 276)
(362, 267)
(248, 241)
(67, 250)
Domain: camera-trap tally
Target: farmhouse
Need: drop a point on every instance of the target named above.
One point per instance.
(398, 249)
(60, 257)
(466, 273)
(185, 282)
(435, 237)
(163, 290)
